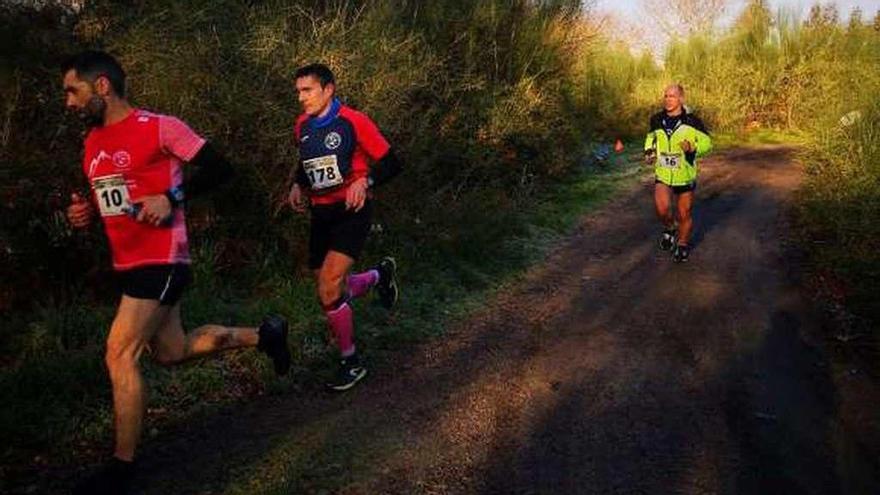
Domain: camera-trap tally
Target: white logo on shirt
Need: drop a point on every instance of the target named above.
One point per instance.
(102, 155)
(333, 140)
(121, 159)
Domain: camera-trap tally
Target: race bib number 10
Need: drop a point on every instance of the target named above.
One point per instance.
(669, 160)
(323, 172)
(112, 195)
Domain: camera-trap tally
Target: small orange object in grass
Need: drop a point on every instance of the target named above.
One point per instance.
(618, 146)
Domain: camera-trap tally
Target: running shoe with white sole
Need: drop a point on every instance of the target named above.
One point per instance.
(350, 372)
(681, 254)
(667, 239)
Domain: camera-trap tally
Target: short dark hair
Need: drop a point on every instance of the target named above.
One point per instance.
(320, 71)
(92, 64)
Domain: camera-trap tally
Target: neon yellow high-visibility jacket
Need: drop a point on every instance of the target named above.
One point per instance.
(672, 166)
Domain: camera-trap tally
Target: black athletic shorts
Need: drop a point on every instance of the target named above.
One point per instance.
(679, 189)
(336, 229)
(164, 283)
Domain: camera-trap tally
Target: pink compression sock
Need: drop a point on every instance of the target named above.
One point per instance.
(360, 283)
(341, 321)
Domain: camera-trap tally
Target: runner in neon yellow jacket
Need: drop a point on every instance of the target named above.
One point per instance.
(675, 141)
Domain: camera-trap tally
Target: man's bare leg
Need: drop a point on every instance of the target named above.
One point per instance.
(663, 205)
(171, 345)
(684, 206)
(133, 327)
(142, 321)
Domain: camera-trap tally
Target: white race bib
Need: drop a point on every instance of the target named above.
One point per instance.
(669, 160)
(323, 172)
(112, 194)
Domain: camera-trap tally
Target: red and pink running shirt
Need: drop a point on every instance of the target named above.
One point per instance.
(136, 157)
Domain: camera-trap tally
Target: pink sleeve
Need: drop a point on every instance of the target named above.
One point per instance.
(176, 138)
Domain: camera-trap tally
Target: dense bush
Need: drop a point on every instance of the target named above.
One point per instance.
(477, 96)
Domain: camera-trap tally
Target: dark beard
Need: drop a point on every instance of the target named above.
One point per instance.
(92, 115)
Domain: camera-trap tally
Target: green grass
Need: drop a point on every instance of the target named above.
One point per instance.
(727, 139)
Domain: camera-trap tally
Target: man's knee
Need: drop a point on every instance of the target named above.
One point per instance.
(685, 216)
(329, 291)
(662, 205)
(665, 212)
(121, 357)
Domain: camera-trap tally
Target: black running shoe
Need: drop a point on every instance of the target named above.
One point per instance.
(387, 285)
(114, 478)
(273, 342)
(681, 253)
(350, 372)
(667, 239)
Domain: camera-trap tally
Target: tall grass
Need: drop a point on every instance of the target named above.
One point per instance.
(773, 70)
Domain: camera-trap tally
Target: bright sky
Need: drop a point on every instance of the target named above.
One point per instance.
(869, 7)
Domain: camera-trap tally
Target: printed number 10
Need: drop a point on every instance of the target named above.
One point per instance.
(112, 198)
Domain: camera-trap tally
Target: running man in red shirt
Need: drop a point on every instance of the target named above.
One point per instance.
(133, 161)
(334, 179)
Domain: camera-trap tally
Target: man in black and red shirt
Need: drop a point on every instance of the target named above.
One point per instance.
(334, 177)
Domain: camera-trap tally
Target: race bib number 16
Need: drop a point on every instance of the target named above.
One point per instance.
(112, 195)
(323, 172)
(669, 160)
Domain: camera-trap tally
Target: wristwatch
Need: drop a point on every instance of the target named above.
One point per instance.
(175, 196)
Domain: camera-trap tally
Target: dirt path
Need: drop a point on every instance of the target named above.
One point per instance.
(607, 370)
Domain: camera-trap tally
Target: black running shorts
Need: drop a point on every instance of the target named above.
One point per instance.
(679, 189)
(336, 229)
(164, 283)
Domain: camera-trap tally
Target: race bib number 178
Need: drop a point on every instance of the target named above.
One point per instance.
(323, 172)
(112, 195)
